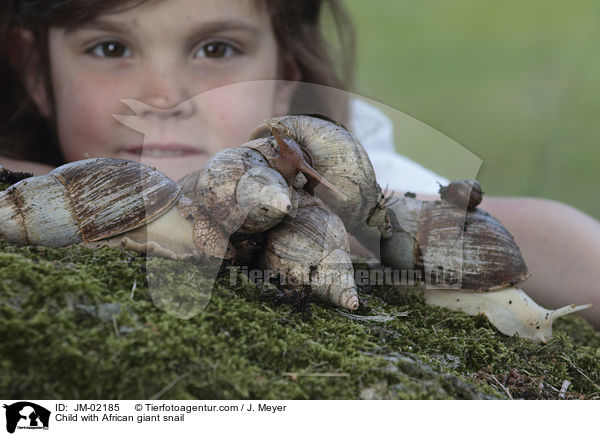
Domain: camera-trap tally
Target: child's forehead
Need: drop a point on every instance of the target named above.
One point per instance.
(181, 12)
(190, 8)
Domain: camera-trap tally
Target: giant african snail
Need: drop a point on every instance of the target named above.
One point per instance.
(423, 235)
(250, 189)
(124, 203)
(449, 236)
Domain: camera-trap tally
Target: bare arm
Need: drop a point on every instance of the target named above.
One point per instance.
(25, 166)
(561, 246)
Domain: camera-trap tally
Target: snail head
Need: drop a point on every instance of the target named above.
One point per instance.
(291, 161)
(378, 215)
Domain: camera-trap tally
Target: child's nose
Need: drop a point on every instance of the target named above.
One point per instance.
(142, 109)
(182, 110)
(146, 115)
(164, 93)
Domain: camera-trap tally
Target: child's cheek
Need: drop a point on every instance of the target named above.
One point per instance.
(234, 111)
(85, 119)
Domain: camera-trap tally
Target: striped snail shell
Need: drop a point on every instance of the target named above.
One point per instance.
(431, 235)
(86, 200)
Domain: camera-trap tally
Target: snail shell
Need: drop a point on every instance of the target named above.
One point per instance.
(313, 249)
(239, 189)
(434, 235)
(333, 152)
(87, 200)
(464, 193)
(116, 202)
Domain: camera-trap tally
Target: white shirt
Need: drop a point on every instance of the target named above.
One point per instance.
(375, 132)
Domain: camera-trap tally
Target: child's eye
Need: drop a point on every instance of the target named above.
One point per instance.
(110, 49)
(216, 50)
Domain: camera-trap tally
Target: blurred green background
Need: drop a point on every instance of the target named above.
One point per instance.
(515, 82)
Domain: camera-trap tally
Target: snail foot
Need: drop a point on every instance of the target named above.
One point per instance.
(510, 310)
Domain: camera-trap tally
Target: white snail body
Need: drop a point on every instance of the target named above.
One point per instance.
(510, 310)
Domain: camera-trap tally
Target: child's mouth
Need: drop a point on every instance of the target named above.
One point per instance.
(163, 150)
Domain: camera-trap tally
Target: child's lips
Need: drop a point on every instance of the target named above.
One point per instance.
(163, 150)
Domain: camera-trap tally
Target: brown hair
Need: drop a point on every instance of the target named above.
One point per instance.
(297, 24)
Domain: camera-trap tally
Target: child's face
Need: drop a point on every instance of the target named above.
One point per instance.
(162, 54)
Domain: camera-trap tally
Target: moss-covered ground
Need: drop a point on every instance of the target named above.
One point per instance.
(80, 323)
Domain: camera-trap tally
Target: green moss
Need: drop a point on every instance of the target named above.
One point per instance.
(75, 329)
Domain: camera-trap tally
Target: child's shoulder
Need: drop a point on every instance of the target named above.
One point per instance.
(375, 131)
(372, 127)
